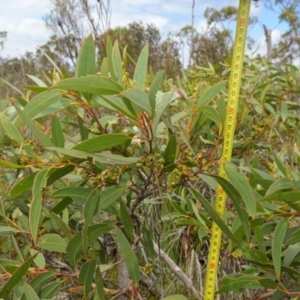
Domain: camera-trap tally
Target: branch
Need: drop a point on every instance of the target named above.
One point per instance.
(176, 270)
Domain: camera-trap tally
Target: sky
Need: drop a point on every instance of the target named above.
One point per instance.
(24, 20)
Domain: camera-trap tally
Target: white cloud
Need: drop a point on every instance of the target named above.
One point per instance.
(24, 25)
(23, 20)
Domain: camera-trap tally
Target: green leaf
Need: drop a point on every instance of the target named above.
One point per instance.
(117, 63)
(280, 184)
(60, 206)
(57, 133)
(110, 195)
(7, 229)
(39, 281)
(36, 89)
(212, 114)
(128, 255)
(89, 211)
(39, 260)
(75, 248)
(214, 215)
(78, 193)
(86, 60)
(141, 68)
(221, 109)
(279, 164)
(104, 67)
(57, 173)
(35, 210)
(277, 244)
(238, 282)
(99, 283)
(155, 85)
(30, 124)
(105, 158)
(15, 278)
(82, 129)
(93, 84)
(109, 50)
(171, 151)
(102, 142)
(10, 165)
(38, 81)
(241, 183)
(38, 104)
(11, 131)
(29, 292)
(236, 199)
(86, 275)
(49, 290)
(284, 111)
(52, 242)
(285, 196)
(23, 185)
(117, 104)
(126, 221)
(175, 297)
(139, 98)
(290, 253)
(61, 224)
(160, 107)
(210, 94)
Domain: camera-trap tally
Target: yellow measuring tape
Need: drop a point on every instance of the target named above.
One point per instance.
(228, 135)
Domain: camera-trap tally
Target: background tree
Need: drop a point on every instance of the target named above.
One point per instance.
(2, 37)
(288, 48)
(72, 20)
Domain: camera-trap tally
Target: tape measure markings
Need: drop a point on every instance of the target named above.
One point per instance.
(228, 134)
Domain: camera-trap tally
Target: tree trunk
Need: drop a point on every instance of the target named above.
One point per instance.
(268, 36)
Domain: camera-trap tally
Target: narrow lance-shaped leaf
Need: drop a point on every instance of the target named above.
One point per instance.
(86, 275)
(241, 183)
(30, 292)
(93, 84)
(57, 133)
(277, 244)
(23, 185)
(50, 289)
(155, 85)
(89, 211)
(39, 183)
(11, 165)
(109, 50)
(214, 215)
(38, 104)
(279, 184)
(138, 98)
(99, 283)
(141, 68)
(11, 131)
(86, 60)
(30, 124)
(110, 195)
(52, 242)
(129, 256)
(75, 248)
(15, 278)
(102, 142)
(126, 220)
(106, 158)
(117, 62)
(210, 94)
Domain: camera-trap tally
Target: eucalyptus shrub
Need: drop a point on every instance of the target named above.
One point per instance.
(108, 182)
